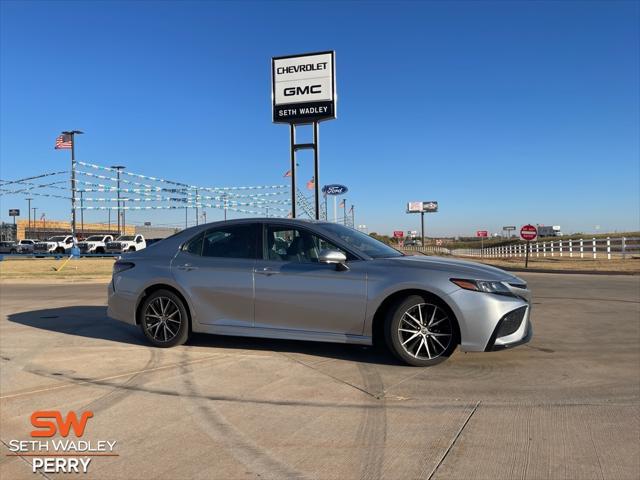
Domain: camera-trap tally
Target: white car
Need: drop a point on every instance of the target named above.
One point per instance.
(56, 244)
(26, 245)
(126, 243)
(95, 244)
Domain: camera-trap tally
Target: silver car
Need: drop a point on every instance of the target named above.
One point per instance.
(304, 280)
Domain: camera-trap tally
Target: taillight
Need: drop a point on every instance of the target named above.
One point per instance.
(120, 266)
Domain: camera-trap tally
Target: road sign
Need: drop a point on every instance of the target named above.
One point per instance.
(334, 189)
(303, 87)
(14, 212)
(528, 233)
(482, 233)
(398, 234)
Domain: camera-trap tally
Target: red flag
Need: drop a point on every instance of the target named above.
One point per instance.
(287, 174)
(311, 183)
(63, 141)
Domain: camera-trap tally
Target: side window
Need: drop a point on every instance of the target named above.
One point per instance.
(295, 245)
(230, 242)
(194, 246)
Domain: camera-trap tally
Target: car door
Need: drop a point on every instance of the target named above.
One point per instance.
(215, 268)
(295, 292)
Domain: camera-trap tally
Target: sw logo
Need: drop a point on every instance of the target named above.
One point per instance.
(48, 428)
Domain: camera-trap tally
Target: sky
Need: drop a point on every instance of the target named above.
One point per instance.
(506, 113)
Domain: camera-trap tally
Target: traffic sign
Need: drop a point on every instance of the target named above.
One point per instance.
(482, 233)
(528, 233)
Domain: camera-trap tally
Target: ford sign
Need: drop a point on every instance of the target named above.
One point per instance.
(334, 189)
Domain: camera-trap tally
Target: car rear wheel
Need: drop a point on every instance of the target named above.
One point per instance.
(164, 320)
(421, 331)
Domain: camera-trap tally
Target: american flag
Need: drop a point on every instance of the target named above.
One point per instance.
(311, 183)
(342, 204)
(64, 141)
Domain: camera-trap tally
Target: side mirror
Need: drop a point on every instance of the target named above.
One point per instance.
(333, 257)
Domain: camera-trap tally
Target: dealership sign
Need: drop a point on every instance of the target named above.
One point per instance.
(482, 233)
(422, 207)
(334, 189)
(398, 234)
(14, 212)
(303, 88)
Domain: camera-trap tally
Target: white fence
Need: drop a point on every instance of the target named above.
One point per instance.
(592, 248)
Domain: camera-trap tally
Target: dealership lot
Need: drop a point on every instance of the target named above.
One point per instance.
(564, 406)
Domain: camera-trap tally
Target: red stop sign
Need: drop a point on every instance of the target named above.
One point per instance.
(528, 232)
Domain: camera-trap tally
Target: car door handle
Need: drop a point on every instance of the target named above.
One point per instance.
(266, 271)
(187, 267)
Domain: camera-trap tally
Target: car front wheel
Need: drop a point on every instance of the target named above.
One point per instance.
(164, 320)
(421, 331)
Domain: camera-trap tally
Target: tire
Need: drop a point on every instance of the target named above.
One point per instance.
(421, 331)
(13, 250)
(164, 319)
(60, 250)
(99, 250)
(132, 248)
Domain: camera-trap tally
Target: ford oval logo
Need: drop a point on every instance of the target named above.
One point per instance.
(334, 189)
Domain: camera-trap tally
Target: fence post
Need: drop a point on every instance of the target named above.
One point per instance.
(570, 248)
(608, 248)
(561, 248)
(544, 249)
(624, 248)
(593, 242)
(581, 248)
(537, 249)
(552, 248)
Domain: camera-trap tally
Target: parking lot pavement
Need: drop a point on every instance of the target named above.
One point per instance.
(564, 406)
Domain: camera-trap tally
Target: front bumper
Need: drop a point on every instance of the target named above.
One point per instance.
(481, 316)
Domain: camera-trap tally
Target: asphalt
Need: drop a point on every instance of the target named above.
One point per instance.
(564, 406)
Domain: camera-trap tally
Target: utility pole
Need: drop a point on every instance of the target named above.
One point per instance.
(82, 213)
(118, 169)
(196, 207)
(109, 217)
(29, 212)
(35, 225)
(72, 134)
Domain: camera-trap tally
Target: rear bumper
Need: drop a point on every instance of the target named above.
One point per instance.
(121, 305)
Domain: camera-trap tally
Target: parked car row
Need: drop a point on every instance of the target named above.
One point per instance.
(61, 244)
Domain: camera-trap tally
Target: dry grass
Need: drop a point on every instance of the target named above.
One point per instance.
(629, 265)
(85, 269)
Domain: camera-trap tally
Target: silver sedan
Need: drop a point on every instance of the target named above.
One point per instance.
(320, 281)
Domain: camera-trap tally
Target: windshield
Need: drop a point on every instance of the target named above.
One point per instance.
(126, 238)
(57, 239)
(95, 238)
(362, 241)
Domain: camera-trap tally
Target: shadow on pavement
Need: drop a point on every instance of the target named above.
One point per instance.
(92, 322)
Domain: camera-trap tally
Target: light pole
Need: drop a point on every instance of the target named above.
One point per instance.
(29, 211)
(82, 213)
(72, 134)
(118, 169)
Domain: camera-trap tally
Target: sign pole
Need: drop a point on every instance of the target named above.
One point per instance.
(316, 167)
(526, 257)
(292, 129)
(422, 225)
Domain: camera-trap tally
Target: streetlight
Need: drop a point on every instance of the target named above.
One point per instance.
(29, 211)
(118, 169)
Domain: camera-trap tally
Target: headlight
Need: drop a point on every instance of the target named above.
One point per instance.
(485, 286)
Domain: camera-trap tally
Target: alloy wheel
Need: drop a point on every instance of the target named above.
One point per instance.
(425, 331)
(162, 319)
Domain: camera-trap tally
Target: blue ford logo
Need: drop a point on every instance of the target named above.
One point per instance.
(334, 189)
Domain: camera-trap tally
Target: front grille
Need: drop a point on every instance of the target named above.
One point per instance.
(511, 322)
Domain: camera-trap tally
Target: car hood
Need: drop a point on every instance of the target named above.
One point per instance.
(457, 268)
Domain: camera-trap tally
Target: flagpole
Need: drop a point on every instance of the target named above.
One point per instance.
(72, 134)
(316, 168)
(344, 209)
